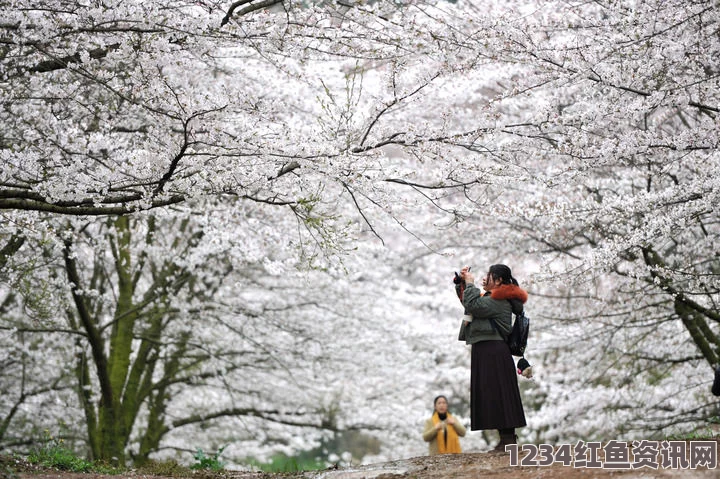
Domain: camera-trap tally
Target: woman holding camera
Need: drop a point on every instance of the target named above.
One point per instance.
(442, 430)
(495, 401)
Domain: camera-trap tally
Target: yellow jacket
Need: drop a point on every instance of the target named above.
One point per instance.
(431, 435)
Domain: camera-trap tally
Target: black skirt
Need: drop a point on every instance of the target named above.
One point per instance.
(494, 394)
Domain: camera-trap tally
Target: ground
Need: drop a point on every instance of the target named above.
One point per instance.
(460, 466)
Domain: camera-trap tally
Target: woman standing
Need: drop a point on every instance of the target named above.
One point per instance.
(442, 430)
(494, 394)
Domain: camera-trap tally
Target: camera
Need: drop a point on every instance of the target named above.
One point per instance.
(457, 279)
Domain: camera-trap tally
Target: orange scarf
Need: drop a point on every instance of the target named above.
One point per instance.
(449, 444)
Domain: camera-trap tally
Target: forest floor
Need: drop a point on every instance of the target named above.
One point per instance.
(459, 466)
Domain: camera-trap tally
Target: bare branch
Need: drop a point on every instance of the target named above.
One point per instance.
(360, 210)
(247, 9)
(87, 207)
(63, 62)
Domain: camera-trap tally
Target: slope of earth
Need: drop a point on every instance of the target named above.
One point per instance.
(460, 466)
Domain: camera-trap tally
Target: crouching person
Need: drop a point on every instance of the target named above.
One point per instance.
(442, 431)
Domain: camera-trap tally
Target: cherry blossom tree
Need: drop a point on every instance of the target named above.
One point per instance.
(577, 141)
(144, 341)
(598, 141)
(117, 111)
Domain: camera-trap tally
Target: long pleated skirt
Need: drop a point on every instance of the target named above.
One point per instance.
(494, 394)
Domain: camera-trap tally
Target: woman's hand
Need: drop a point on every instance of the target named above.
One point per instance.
(467, 275)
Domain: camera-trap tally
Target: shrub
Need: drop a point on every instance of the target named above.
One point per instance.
(208, 463)
(280, 463)
(54, 454)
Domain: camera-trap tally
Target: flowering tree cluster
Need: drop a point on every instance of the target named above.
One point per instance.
(622, 116)
(167, 167)
(203, 124)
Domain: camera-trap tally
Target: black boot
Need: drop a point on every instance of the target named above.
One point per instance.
(716, 383)
(507, 436)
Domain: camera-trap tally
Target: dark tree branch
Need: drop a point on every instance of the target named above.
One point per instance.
(95, 339)
(11, 247)
(362, 213)
(84, 207)
(63, 62)
(269, 415)
(247, 9)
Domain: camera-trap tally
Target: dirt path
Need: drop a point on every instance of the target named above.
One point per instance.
(459, 466)
(474, 465)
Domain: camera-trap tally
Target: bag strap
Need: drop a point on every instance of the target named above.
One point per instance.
(497, 329)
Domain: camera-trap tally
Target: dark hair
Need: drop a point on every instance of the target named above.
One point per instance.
(502, 273)
(436, 400)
